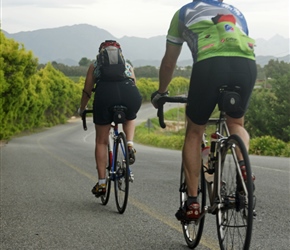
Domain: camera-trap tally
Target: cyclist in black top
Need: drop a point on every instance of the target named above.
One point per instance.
(108, 94)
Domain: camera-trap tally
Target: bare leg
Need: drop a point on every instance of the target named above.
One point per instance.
(129, 129)
(236, 126)
(101, 151)
(191, 155)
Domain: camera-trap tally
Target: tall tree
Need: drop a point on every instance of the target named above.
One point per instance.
(276, 68)
(281, 117)
(268, 112)
(85, 62)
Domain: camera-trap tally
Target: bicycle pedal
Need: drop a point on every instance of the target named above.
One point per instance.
(202, 214)
(254, 214)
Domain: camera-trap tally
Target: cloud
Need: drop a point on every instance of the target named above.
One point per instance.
(51, 3)
(141, 18)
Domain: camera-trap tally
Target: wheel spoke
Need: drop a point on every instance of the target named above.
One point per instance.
(105, 198)
(192, 231)
(121, 179)
(234, 218)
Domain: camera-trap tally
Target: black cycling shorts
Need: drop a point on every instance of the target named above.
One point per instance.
(109, 94)
(207, 78)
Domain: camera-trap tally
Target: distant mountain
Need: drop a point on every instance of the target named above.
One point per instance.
(68, 44)
(277, 46)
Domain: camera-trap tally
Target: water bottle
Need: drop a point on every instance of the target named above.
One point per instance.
(205, 155)
(205, 160)
(209, 175)
(213, 140)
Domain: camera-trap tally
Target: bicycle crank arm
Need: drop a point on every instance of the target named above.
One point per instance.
(213, 209)
(202, 214)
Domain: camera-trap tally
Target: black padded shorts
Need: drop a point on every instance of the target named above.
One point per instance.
(207, 78)
(109, 94)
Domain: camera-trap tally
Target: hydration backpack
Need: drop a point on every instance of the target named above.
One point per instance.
(111, 63)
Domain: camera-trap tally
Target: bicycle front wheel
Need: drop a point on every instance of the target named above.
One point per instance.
(235, 214)
(192, 230)
(121, 179)
(105, 198)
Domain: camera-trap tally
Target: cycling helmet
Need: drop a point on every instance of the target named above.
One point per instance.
(109, 43)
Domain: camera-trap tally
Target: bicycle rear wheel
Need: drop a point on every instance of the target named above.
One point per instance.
(121, 179)
(192, 230)
(105, 198)
(234, 218)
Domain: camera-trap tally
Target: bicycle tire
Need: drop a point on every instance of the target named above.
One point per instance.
(121, 179)
(192, 231)
(105, 198)
(234, 217)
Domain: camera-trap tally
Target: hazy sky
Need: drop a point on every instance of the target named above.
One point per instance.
(139, 18)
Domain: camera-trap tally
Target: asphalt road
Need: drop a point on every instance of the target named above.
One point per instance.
(46, 200)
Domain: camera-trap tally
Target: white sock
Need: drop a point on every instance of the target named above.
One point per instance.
(102, 181)
(130, 143)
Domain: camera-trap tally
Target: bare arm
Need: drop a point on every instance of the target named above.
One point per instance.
(167, 66)
(88, 87)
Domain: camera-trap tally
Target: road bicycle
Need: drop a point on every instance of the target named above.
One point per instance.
(221, 183)
(118, 170)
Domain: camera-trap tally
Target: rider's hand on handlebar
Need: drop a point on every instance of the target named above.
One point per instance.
(156, 96)
(81, 111)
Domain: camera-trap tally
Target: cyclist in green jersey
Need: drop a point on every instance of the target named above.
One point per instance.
(223, 54)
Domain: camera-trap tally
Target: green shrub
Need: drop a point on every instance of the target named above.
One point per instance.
(158, 137)
(164, 138)
(270, 146)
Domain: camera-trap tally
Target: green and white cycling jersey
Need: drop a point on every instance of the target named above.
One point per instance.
(211, 29)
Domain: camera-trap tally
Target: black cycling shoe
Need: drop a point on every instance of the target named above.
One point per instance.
(132, 157)
(99, 190)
